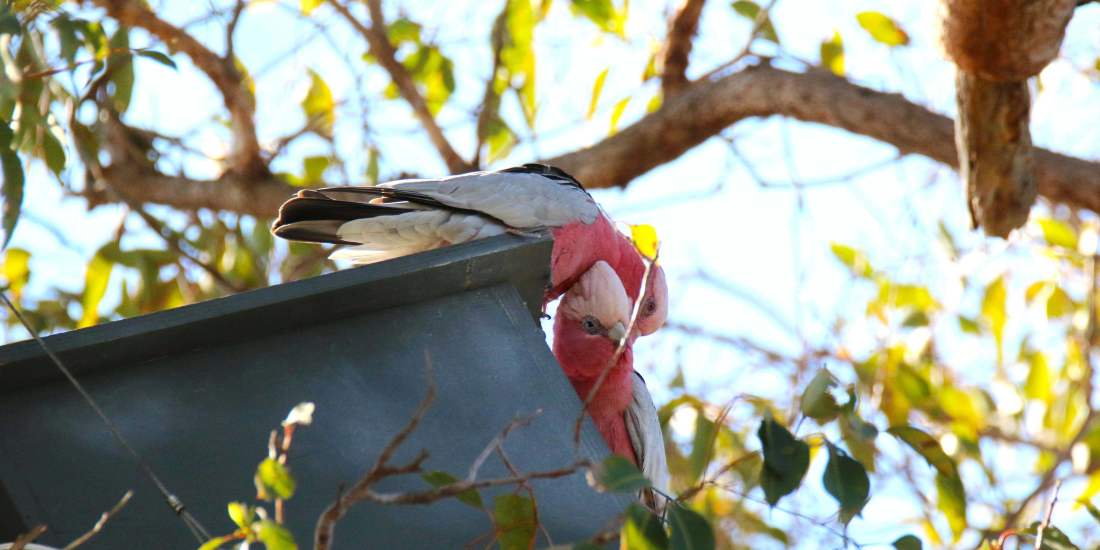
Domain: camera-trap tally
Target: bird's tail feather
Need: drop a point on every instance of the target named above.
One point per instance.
(313, 217)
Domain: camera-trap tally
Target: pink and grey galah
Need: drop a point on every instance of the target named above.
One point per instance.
(589, 326)
(406, 216)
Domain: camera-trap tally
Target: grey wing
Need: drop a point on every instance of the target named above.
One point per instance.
(645, 435)
(521, 200)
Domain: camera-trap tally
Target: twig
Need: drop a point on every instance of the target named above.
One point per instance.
(102, 521)
(496, 442)
(1046, 518)
(618, 350)
(383, 51)
(326, 523)
(231, 28)
(26, 538)
(758, 23)
(174, 240)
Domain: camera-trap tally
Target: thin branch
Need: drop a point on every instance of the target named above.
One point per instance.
(245, 158)
(326, 524)
(761, 19)
(23, 540)
(231, 28)
(1046, 518)
(175, 241)
(496, 442)
(674, 58)
(384, 52)
(103, 519)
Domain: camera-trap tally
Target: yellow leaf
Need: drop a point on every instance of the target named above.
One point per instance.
(597, 88)
(645, 240)
(309, 5)
(616, 114)
(16, 269)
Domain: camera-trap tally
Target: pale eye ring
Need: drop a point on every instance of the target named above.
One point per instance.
(591, 325)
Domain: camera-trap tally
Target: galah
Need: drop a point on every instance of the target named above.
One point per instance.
(590, 323)
(407, 216)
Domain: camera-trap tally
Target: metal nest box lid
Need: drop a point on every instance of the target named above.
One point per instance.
(197, 389)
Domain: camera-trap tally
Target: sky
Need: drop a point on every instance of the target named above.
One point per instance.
(770, 245)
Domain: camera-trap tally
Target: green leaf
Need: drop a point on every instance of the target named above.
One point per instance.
(846, 480)
(9, 24)
(642, 530)
(308, 6)
(690, 531)
(400, 31)
(517, 55)
(241, 514)
(618, 475)
(438, 479)
(927, 447)
(832, 54)
(859, 436)
(597, 87)
(53, 153)
(500, 138)
(751, 10)
(216, 542)
(121, 67)
(1058, 233)
(908, 542)
(514, 516)
(1053, 538)
(701, 447)
(786, 460)
(882, 28)
(11, 191)
(616, 114)
(96, 278)
(951, 500)
(372, 165)
(273, 480)
(275, 536)
(16, 270)
(854, 259)
(993, 312)
(159, 57)
(318, 106)
(817, 400)
(602, 13)
(313, 168)
(969, 325)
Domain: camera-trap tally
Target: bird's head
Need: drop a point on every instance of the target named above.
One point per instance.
(591, 321)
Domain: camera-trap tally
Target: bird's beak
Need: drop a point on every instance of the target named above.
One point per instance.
(617, 332)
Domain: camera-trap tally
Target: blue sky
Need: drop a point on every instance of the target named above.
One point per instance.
(772, 244)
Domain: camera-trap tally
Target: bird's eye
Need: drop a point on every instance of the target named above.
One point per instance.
(591, 325)
(650, 307)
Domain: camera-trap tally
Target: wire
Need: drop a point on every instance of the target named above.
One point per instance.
(196, 528)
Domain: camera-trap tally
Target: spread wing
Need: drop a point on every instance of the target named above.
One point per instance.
(646, 438)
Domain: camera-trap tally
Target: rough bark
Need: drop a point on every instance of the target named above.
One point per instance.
(997, 45)
(995, 160)
(684, 122)
(1004, 40)
(674, 57)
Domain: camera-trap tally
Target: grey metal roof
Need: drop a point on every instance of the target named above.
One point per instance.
(197, 389)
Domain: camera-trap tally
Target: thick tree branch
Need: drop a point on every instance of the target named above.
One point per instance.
(681, 33)
(762, 90)
(245, 157)
(383, 51)
(682, 123)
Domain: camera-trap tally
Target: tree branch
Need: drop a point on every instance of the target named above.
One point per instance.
(245, 157)
(759, 91)
(681, 32)
(382, 50)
